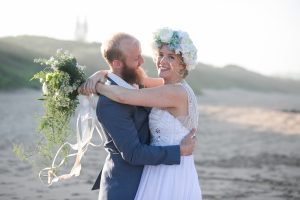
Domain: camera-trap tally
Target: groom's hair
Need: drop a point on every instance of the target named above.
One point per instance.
(111, 49)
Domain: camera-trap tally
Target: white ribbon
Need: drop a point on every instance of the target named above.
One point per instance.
(87, 122)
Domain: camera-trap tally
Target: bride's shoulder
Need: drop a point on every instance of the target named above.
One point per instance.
(179, 90)
(175, 88)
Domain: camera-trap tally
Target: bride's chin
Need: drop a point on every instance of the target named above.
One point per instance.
(160, 75)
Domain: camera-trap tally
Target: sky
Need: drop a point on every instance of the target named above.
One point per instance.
(259, 35)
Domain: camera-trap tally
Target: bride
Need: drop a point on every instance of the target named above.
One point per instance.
(173, 115)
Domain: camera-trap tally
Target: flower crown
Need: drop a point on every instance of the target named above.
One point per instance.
(177, 41)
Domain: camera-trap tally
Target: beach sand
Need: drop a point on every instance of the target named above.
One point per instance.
(248, 146)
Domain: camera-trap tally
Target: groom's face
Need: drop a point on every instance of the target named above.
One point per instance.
(130, 74)
(132, 62)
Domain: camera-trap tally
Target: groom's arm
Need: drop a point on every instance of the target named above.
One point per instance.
(125, 137)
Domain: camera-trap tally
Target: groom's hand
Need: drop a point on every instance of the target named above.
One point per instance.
(188, 144)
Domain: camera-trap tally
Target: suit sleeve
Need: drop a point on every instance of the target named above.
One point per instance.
(124, 135)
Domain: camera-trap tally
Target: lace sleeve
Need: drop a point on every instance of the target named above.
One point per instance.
(193, 114)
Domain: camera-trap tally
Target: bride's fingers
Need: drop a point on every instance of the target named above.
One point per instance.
(80, 90)
(90, 86)
(94, 88)
(86, 87)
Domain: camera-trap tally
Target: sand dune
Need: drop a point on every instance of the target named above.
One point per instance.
(248, 148)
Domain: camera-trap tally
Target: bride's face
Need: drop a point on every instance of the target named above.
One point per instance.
(169, 65)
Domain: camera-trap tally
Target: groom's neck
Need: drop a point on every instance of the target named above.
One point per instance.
(117, 72)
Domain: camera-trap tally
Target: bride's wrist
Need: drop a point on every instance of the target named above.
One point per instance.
(98, 86)
(98, 76)
(102, 80)
(103, 73)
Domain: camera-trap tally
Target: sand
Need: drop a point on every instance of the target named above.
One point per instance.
(248, 148)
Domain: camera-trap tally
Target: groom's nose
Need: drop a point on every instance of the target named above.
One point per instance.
(141, 60)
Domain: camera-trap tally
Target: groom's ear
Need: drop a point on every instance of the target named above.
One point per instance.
(117, 64)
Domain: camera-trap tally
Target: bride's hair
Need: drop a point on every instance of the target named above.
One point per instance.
(183, 72)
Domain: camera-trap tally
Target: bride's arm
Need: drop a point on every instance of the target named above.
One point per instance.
(88, 87)
(149, 82)
(162, 96)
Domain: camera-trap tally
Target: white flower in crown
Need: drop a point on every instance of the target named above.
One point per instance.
(165, 35)
(179, 42)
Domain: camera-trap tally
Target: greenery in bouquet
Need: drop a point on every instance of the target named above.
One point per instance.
(60, 79)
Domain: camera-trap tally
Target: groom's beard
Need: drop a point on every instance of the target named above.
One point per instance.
(130, 75)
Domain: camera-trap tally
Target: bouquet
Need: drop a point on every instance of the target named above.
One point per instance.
(60, 80)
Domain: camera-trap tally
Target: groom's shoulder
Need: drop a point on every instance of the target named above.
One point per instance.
(107, 103)
(108, 109)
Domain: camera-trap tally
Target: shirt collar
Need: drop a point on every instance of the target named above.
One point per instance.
(119, 81)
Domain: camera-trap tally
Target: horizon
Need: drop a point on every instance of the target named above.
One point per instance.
(260, 36)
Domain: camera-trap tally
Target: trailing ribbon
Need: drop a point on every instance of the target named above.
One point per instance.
(87, 123)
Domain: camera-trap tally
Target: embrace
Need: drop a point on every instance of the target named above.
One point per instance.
(149, 123)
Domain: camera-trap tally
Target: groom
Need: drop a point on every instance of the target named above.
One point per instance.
(126, 127)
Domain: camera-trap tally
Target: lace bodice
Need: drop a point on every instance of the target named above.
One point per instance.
(169, 130)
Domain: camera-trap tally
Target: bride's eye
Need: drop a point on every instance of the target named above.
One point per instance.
(172, 57)
(160, 56)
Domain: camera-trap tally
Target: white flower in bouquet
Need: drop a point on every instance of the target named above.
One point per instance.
(45, 89)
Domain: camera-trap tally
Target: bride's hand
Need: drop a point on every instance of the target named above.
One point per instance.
(89, 86)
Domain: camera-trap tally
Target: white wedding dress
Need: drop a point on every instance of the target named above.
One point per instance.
(171, 182)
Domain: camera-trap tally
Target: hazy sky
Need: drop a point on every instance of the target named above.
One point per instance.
(260, 35)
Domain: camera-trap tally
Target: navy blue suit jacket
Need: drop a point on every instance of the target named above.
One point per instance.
(127, 142)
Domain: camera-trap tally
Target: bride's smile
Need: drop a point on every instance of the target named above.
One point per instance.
(169, 65)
